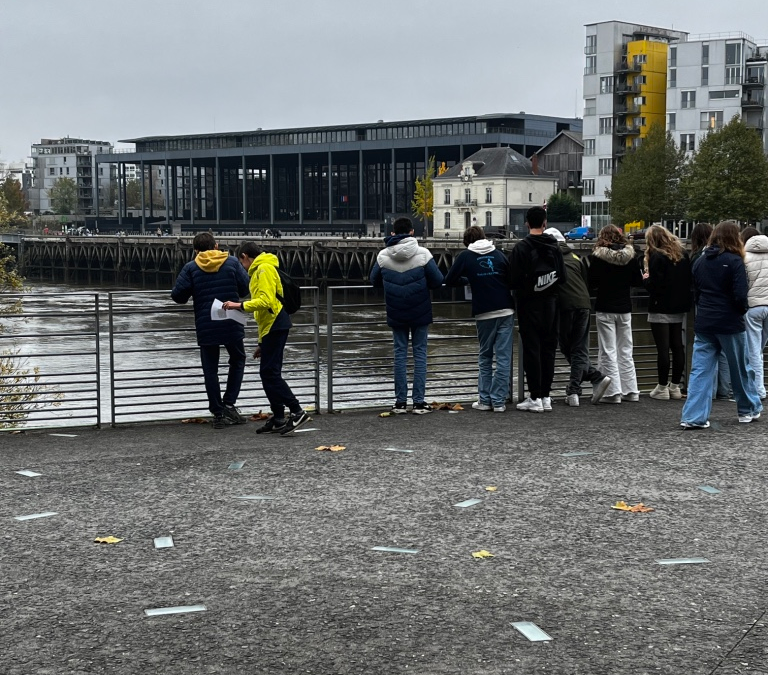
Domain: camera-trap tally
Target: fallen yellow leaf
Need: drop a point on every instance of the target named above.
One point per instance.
(482, 554)
(491, 488)
(637, 508)
(107, 540)
(331, 448)
(385, 414)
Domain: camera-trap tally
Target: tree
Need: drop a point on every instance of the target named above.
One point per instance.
(728, 176)
(5, 216)
(647, 184)
(562, 208)
(423, 202)
(14, 196)
(63, 196)
(133, 194)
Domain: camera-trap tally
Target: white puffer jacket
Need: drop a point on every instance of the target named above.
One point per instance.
(756, 260)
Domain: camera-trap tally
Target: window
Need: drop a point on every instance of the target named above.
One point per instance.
(590, 107)
(606, 167)
(467, 195)
(704, 76)
(705, 53)
(447, 221)
(61, 171)
(589, 186)
(640, 79)
(591, 47)
(711, 120)
(65, 160)
(733, 74)
(640, 59)
(589, 146)
(52, 171)
(67, 171)
(733, 53)
(673, 57)
(447, 196)
(591, 67)
(488, 195)
(688, 99)
(673, 77)
(671, 121)
(688, 142)
(606, 85)
(488, 219)
(101, 171)
(728, 93)
(638, 122)
(606, 125)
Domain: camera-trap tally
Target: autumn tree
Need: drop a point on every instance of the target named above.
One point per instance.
(63, 196)
(423, 202)
(728, 176)
(647, 184)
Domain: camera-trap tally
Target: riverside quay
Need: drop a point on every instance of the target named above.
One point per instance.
(352, 177)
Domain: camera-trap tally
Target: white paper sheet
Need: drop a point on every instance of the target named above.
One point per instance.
(218, 313)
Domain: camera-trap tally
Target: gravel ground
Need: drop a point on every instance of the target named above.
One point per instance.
(292, 584)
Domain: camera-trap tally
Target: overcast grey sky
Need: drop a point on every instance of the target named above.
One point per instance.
(111, 69)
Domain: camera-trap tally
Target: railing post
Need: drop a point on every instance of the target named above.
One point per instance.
(98, 361)
(111, 360)
(316, 328)
(329, 346)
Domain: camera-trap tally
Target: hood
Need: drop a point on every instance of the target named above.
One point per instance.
(554, 232)
(616, 254)
(712, 252)
(565, 247)
(263, 259)
(481, 246)
(542, 241)
(757, 244)
(402, 246)
(211, 261)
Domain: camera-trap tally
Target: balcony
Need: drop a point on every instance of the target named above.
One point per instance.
(627, 130)
(589, 50)
(627, 66)
(754, 79)
(627, 109)
(753, 100)
(627, 88)
(464, 204)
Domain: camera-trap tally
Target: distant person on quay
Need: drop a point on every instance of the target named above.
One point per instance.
(536, 269)
(215, 275)
(720, 293)
(274, 323)
(574, 306)
(756, 261)
(407, 272)
(484, 268)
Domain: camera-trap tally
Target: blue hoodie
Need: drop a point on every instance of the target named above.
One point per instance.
(720, 289)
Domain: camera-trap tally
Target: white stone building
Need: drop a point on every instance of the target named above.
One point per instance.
(492, 188)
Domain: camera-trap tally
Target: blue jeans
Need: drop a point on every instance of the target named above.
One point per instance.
(722, 385)
(495, 335)
(418, 336)
(707, 348)
(757, 336)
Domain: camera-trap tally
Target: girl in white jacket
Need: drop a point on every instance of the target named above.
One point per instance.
(756, 261)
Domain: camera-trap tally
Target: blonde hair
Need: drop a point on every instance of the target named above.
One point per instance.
(660, 240)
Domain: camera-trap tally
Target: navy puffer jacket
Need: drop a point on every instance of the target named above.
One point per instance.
(212, 275)
(720, 289)
(406, 271)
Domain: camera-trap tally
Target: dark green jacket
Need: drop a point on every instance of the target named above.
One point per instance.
(573, 294)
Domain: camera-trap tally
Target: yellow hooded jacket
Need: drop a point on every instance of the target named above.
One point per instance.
(265, 285)
(210, 261)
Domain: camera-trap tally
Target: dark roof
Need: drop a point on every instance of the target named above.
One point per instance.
(496, 162)
(573, 135)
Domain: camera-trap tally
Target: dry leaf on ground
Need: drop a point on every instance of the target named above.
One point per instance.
(436, 405)
(491, 488)
(482, 554)
(386, 414)
(637, 508)
(257, 417)
(331, 448)
(107, 540)
(195, 420)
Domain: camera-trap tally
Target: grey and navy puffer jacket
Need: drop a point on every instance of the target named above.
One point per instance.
(406, 271)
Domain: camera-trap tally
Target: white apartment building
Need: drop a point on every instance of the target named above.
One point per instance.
(73, 158)
(492, 188)
(624, 93)
(711, 79)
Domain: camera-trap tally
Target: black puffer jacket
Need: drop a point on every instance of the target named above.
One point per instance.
(612, 272)
(669, 284)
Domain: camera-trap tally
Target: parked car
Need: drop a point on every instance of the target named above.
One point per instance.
(580, 233)
(638, 235)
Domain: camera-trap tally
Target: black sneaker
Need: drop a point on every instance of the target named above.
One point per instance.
(220, 421)
(271, 426)
(421, 408)
(399, 409)
(233, 413)
(294, 422)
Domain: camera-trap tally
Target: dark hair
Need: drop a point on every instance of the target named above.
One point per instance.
(610, 235)
(726, 237)
(473, 234)
(402, 226)
(700, 236)
(747, 233)
(536, 216)
(203, 242)
(249, 248)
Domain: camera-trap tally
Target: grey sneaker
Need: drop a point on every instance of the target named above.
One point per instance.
(632, 396)
(546, 403)
(233, 414)
(481, 406)
(599, 388)
(221, 420)
(572, 400)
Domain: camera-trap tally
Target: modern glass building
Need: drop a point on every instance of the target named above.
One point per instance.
(314, 178)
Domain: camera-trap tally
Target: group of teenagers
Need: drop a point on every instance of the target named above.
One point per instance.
(542, 280)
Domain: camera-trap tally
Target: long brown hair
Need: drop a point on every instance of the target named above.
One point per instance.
(660, 240)
(609, 236)
(726, 237)
(700, 236)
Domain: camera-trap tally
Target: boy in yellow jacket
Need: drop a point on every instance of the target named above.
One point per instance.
(274, 323)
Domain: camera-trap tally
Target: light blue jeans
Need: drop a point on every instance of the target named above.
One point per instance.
(757, 336)
(495, 336)
(418, 336)
(707, 347)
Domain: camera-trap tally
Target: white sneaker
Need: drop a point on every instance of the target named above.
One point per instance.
(632, 396)
(572, 400)
(746, 419)
(546, 403)
(616, 398)
(531, 405)
(661, 392)
(599, 389)
(691, 425)
(481, 406)
(500, 408)
(674, 392)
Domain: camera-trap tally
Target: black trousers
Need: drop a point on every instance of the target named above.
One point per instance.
(574, 344)
(669, 337)
(209, 358)
(537, 323)
(271, 371)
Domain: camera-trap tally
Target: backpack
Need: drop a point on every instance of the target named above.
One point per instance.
(543, 276)
(291, 298)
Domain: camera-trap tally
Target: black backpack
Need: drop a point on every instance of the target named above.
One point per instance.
(544, 275)
(291, 297)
